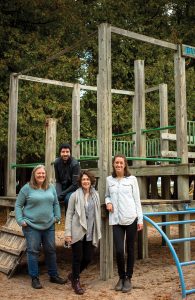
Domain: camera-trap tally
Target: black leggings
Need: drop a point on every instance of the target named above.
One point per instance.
(81, 256)
(119, 232)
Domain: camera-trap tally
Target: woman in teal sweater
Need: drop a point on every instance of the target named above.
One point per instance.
(37, 210)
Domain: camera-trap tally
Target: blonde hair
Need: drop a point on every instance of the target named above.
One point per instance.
(33, 183)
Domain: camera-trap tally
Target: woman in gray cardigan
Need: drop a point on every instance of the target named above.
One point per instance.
(82, 226)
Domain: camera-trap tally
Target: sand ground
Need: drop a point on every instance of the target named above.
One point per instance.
(155, 278)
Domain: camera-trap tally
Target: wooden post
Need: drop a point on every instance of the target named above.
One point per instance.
(140, 144)
(104, 121)
(139, 122)
(139, 105)
(76, 120)
(163, 97)
(12, 136)
(154, 189)
(50, 148)
(182, 147)
(165, 180)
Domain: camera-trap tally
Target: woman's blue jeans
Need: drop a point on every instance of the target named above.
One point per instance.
(35, 238)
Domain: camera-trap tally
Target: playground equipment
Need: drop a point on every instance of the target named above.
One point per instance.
(143, 171)
(171, 242)
(138, 149)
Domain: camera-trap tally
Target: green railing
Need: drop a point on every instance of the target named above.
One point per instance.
(89, 147)
(153, 148)
(125, 147)
(191, 133)
(30, 165)
(158, 129)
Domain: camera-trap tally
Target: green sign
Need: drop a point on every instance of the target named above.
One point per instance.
(188, 51)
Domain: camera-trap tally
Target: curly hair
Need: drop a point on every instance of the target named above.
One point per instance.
(88, 174)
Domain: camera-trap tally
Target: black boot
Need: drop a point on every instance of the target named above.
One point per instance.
(57, 279)
(36, 283)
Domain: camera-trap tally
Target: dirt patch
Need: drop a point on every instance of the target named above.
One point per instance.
(155, 278)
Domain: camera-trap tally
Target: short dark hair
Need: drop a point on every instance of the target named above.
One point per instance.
(65, 146)
(89, 174)
(126, 171)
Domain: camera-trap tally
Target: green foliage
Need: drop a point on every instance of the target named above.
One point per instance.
(33, 33)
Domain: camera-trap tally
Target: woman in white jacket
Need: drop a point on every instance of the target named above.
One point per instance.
(82, 226)
(125, 215)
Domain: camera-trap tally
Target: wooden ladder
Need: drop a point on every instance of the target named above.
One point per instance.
(12, 245)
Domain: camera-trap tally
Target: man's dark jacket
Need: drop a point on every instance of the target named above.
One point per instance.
(66, 173)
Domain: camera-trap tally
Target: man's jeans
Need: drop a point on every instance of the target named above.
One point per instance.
(35, 238)
(66, 200)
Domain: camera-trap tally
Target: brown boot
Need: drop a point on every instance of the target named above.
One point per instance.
(77, 287)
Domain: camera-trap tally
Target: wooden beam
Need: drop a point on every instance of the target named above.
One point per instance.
(88, 87)
(76, 121)
(143, 38)
(182, 146)
(163, 201)
(173, 137)
(174, 154)
(122, 92)
(50, 148)
(140, 143)
(12, 231)
(155, 170)
(71, 85)
(44, 80)
(139, 111)
(82, 86)
(7, 201)
(163, 98)
(165, 181)
(12, 135)
(168, 136)
(152, 89)
(180, 107)
(10, 250)
(104, 121)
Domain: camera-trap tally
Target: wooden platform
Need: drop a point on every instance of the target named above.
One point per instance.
(155, 205)
(7, 201)
(157, 170)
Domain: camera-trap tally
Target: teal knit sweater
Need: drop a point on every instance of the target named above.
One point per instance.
(38, 208)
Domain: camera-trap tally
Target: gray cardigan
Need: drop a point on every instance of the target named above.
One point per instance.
(76, 223)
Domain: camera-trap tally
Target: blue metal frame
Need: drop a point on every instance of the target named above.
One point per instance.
(169, 242)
